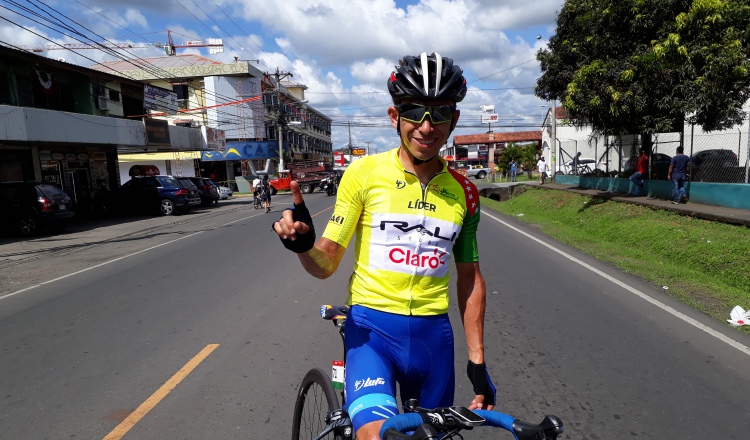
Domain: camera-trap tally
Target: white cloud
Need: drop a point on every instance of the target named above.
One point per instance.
(133, 16)
(342, 51)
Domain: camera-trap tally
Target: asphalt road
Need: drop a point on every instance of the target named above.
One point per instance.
(202, 326)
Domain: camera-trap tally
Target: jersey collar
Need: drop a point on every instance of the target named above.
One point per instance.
(395, 159)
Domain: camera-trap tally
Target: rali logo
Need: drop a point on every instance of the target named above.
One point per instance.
(405, 227)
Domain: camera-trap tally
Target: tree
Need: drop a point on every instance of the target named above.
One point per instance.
(641, 66)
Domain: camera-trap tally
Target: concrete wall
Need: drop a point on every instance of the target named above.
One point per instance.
(729, 195)
(39, 125)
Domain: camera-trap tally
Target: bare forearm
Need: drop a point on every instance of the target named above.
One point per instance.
(472, 302)
(323, 259)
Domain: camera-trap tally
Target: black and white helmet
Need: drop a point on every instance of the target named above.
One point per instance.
(425, 76)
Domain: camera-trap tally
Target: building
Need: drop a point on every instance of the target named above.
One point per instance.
(253, 109)
(481, 149)
(67, 125)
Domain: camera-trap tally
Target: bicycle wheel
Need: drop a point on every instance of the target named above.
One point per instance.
(315, 399)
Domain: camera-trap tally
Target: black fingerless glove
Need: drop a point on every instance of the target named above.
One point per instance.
(304, 242)
(480, 380)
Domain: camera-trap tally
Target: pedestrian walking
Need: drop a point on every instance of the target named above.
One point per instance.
(679, 169)
(542, 167)
(513, 169)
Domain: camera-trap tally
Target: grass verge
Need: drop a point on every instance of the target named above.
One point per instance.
(704, 264)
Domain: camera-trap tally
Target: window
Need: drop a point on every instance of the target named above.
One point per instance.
(4, 88)
(181, 90)
(114, 96)
(25, 91)
(183, 95)
(67, 99)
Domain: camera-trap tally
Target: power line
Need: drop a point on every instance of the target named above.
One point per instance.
(248, 35)
(148, 67)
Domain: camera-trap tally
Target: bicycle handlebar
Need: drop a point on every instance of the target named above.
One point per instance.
(548, 429)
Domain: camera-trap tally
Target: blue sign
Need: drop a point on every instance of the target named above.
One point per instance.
(246, 150)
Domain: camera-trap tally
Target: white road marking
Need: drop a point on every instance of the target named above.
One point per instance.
(734, 344)
(119, 258)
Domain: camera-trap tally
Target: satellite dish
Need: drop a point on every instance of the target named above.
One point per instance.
(62, 60)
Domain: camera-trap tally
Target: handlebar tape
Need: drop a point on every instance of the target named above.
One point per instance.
(411, 421)
(496, 419)
(401, 423)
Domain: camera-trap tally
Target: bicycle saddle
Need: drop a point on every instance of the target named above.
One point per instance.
(333, 312)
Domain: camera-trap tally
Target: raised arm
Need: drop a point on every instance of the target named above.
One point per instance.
(297, 233)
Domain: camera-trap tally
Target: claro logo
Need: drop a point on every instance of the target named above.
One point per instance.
(406, 257)
(406, 228)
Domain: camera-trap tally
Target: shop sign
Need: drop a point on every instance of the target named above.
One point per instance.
(70, 156)
(57, 156)
(98, 155)
(157, 132)
(358, 151)
(489, 118)
(45, 155)
(158, 99)
(83, 156)
(339, 158)
(215, 139)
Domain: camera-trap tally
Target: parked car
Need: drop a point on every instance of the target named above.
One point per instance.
(28, 207)
(713, 166)
(165, 194)
(193, 193)
(225, 192)
(477, 171)
(659, 166)
(207, 189)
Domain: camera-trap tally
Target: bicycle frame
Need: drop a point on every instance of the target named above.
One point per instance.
(449, 420)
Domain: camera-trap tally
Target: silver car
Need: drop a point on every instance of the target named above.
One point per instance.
(225, 192)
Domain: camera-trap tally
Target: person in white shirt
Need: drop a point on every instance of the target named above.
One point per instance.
(542, 167)
(256, 184)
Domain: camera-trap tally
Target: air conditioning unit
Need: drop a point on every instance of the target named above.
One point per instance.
(101, 103)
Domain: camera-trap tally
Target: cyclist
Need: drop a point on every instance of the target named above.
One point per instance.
(256, 188)
(411, 213)
(265, 193)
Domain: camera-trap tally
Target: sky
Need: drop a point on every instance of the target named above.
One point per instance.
(342, 50)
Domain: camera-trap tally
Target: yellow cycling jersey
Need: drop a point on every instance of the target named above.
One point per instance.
(406, 233)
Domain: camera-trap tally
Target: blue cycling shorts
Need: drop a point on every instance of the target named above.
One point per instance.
(383, 349)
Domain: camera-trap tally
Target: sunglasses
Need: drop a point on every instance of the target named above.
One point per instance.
(415, 113)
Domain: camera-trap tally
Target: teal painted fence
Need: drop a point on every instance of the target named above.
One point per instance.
(730, 195)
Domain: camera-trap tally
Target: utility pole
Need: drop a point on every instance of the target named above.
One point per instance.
(553, 139)
(349, 124)
(280, 121)
(368, 146)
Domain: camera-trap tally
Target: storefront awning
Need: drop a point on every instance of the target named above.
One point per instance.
(150, 157)
(246, 150)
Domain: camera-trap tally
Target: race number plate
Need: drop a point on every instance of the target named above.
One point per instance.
(337, 375)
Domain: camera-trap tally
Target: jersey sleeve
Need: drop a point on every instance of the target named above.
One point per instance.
(466, 249)
(349, 205)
